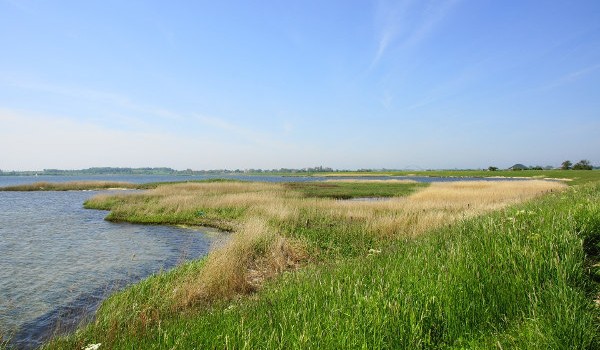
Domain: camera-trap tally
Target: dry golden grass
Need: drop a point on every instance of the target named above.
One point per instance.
(214, 195)
(436, 205)
(254, 254)
(441, 203)
(257, 251)
(70, 186)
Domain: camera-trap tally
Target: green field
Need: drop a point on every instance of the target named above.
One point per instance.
(522, 277)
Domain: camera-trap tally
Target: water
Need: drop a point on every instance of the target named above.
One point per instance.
(20, 180)
(58, 260)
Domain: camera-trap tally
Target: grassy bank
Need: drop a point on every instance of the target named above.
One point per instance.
(96, 185)
(325, 273)
(71, 186)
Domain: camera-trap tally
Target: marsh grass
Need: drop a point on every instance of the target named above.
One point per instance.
(370, 277)
(71, 186)
(346, 189)
(4, 341)
(255, 253)
(573, 177)
(306, 228)
(100, 185)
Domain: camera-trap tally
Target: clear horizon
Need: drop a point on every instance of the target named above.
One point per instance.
(347, 85)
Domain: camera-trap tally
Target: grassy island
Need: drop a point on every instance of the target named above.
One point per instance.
(480, 265)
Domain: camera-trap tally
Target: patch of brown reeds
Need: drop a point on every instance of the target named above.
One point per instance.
(443, 203)
(254, 254)
(70, 186)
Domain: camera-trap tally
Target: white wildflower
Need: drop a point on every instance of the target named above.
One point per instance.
(374, 251)
(92, 346)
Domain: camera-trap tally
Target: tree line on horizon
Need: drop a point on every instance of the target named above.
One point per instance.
(583, 164)
(566, 165)
(163, 171)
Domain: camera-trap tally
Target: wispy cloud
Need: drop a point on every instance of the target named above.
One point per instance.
(86, 144)
(87, 94)
(570, 77)
(433, 15)
(389, 23)
(137, 116)
(407, 23)
(573, 76)
(236, 130)
(245, 135)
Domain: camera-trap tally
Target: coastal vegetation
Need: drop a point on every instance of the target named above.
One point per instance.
(72, 186)
(572, 177)
(347, 189)
(449, 265)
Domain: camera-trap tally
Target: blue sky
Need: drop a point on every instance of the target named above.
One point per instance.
(269, 84)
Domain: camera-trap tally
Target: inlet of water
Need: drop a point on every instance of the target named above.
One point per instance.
(58, 261)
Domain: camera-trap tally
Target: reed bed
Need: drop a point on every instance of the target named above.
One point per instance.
(71, 186)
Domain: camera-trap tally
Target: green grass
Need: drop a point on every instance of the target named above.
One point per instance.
(577, 177)
(220, 218)
(348, 190)
(521, 278)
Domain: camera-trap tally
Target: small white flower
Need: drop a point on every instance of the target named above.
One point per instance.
(92, 346)
(373, 251)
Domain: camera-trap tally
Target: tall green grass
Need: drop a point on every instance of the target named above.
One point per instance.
(522, 278)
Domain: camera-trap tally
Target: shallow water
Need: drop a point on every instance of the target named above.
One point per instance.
(58, 260)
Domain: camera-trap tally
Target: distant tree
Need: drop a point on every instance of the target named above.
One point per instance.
(493, 168)
(566, 165)
(518, 167)
(537, 167)
(582, 165)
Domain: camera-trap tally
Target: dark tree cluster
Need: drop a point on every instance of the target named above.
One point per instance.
(581, 165)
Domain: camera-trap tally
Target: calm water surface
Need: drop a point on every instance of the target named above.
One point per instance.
(58, 260)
